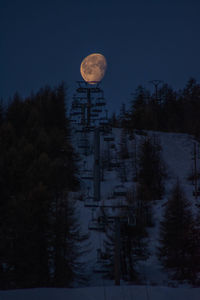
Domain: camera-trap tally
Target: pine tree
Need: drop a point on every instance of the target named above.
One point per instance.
(133, 248)
(176, 236)
(123, 152)
(114, 121)
(151, 172)
(138, 108)
(195, 251)
(1, 111)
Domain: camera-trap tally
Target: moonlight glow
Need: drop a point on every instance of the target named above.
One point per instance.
(93, 68)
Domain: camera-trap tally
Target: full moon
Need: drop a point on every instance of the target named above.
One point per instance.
(93, 68)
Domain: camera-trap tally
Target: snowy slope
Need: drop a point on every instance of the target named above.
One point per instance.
(177, 152)
(108, 293)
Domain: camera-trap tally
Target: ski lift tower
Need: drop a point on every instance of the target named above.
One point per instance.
(89, 97)
(156, 83)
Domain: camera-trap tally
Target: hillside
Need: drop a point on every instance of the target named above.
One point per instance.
(117, 179)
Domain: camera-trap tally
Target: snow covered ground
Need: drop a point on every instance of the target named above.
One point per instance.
(177, 152)
(107, 293)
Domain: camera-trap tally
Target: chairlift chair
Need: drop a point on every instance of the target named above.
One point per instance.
(103, 123)
(96, 225)
(102, 260)
(108, 139)
(81, 146)
(96, 110)
(88, 175)
(120, 191)
(196, 193)
(100, 101)
(76, 113)
(81, 130)
(131, 220)
(90, 202)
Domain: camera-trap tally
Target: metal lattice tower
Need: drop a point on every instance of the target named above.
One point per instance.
(156, 83)
(87, 106)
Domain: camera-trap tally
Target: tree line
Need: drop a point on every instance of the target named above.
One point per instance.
(165, 110)
(39, 234)
(171, 111)
(40, 238)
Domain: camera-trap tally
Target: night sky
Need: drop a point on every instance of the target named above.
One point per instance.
(44, 42)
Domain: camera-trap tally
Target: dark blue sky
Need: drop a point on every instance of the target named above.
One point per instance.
(44, 42)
